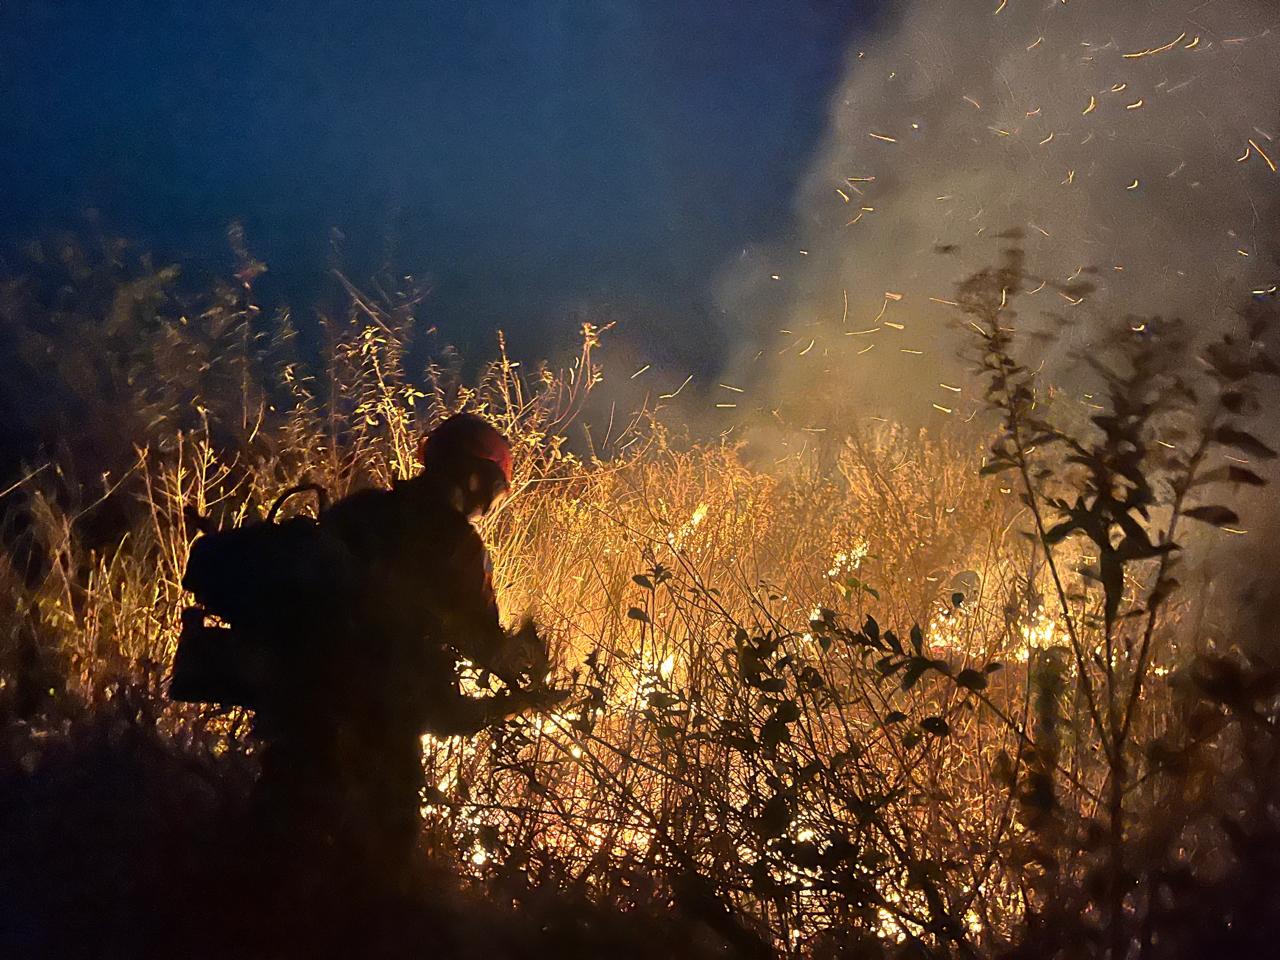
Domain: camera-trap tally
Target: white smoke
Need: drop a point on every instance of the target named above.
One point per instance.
(1137, 137)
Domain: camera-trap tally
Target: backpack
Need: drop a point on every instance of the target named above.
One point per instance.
(265, 582)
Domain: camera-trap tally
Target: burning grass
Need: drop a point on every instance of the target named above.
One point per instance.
(883, 707)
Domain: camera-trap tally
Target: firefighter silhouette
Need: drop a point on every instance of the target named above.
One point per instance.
(387, 592)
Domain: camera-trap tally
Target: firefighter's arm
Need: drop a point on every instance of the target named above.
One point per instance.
(472, 612)
(466, 716)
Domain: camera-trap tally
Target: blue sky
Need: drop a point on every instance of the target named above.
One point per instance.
(537, 160)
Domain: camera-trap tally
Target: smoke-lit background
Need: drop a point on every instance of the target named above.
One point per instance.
(1136, 139)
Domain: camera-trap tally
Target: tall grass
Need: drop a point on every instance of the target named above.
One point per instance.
(941, 700)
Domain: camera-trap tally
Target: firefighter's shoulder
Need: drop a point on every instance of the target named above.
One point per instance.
(362, 517)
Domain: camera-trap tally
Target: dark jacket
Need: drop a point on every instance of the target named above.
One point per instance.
(422, 597)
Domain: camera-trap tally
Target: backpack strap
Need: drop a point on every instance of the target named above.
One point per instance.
(322, 499)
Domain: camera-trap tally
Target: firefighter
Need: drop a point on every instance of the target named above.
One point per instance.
(342, 759)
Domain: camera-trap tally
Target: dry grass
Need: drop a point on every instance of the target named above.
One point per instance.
(739, 735)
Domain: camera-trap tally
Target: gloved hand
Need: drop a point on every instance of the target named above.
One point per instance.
(528, 650)
(522, 654)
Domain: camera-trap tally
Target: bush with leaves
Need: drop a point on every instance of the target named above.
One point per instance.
(1167, 406)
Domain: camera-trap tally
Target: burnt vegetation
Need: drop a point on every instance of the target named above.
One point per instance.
(939, 698)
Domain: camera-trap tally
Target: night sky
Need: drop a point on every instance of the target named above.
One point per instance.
(540, 162)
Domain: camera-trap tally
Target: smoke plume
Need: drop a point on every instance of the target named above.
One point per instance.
(1136, 138)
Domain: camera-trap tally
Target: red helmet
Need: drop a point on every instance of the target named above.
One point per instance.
(466, 435)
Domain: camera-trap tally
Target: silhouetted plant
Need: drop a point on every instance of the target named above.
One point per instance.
(1124, 485)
